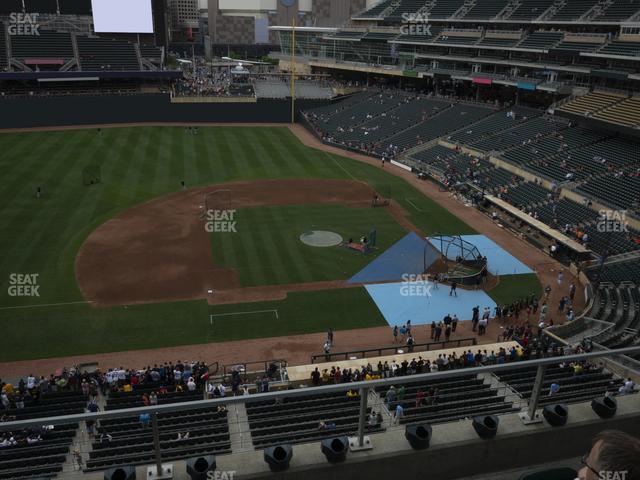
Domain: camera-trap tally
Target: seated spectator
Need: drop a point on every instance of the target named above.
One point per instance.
(145, 420)
(326, 426)
(8, 441)
(33, 438)
(628, 387)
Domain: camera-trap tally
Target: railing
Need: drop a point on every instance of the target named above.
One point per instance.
(392, 350)
(213, 368)
(245, 368)
(363, 386)
(241, 428)
(500, 32)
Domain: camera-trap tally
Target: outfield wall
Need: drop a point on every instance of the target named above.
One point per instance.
(23, 112)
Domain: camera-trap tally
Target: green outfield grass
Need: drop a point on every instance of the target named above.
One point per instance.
(42, 236)
(514, 287)
(266, 248)
(80, 329)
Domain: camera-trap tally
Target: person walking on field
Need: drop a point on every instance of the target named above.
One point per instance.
(438, 332)
(454, 286)
(475, 318)
(395, 334)
(327, 351)
(403, 332)
(447, 332)
(330, 336)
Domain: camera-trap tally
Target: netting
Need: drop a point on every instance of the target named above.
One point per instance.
(453, 247)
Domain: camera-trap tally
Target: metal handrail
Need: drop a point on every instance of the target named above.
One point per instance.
(301, 392)
(416, 347)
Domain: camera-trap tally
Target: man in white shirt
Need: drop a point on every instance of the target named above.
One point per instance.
(191, 384)
(628, 387)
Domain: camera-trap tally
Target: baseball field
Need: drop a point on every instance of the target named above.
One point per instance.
(86, 265)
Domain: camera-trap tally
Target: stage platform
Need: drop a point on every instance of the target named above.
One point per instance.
(301, 373)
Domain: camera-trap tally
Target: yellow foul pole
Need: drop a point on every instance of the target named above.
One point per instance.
(293, 70)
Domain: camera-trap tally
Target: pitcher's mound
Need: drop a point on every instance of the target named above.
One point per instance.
(321, 238)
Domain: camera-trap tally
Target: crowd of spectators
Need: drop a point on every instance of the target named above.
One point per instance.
(203, 80)
(534, 347)
(181, 376)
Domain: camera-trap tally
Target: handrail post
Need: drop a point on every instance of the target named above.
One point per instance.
(364, 394)
(361, 442)
(156, 442)
(529, 416)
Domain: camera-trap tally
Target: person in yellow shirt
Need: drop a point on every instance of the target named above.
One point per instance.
(127, 388)
(8, 389)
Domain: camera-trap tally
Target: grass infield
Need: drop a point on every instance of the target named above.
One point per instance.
(266, 249)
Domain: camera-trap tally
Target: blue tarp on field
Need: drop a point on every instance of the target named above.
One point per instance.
(411, 255)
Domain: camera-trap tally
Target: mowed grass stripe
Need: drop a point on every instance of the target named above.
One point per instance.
(21, 184)
(54, 230)
(150, 162)
(253, 159)
(165, 163)
(251, 259)
(21, 196)
(176, 160)
(203, 174)
(276, 260)
(20, 151)
(222, 156)
(289, 262)
(277, 160)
